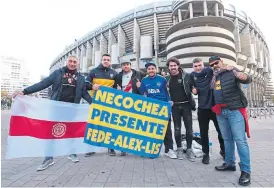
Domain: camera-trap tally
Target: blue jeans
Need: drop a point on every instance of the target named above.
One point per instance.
(232, 126)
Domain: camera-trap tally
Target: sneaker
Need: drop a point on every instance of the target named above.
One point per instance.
(111, 152)
(225, 167)
(73, 158)
(205, 159)
(245, 179)
(171, 154)
(89, 154)
(180, 153)
(190, 155)
(123, 153)
(46, 163)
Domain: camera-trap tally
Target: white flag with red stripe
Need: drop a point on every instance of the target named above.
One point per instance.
(42, 127)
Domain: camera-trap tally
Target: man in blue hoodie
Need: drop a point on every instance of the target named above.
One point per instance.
(202, 78)
(155, 86)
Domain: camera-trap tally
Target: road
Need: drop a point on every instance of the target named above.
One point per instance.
(132, 171)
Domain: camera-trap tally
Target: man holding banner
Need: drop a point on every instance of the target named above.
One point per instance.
(103, 75)
(68, 85)
(154, 86)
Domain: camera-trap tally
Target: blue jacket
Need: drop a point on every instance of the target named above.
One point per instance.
(55, 79)
(155, 87)
(202, 83)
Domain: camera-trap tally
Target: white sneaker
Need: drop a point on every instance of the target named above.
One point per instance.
(171, 154)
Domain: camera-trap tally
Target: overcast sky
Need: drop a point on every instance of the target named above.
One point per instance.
(38, 30)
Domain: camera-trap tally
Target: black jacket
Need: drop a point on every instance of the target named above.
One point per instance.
(233, 96)
(104, 76)
(187, 84)
(55, 79)
(136, 75)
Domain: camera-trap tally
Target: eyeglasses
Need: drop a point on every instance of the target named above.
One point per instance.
(215, 63)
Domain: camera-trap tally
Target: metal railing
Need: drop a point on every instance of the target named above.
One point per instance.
(263, 112)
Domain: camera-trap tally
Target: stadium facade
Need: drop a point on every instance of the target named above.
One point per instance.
(183, 29)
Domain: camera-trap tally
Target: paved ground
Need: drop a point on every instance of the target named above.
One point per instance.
(102, 170)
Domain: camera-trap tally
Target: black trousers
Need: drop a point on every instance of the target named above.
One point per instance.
(168, 142)
(204, 116)
(179, 111)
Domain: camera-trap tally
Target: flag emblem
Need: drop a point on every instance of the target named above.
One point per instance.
(58, 130)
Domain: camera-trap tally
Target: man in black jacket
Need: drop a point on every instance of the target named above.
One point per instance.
(179, 85)
(128, 78)
(202, 78)
(231, 113)
(68, 85)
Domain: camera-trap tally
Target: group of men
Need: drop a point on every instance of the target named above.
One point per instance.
(218, 93)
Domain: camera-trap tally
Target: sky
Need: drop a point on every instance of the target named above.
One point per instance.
(38, 31)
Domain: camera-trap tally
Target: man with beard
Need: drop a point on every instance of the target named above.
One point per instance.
(68, 85)
(180, 86)
(232, 117)
(154, 86)
(202, 78)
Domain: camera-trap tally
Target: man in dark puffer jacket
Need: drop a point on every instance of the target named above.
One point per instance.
(231, 115)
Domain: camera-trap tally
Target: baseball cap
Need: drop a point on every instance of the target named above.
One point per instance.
(125, 61)
(150, 63)
(214, 58)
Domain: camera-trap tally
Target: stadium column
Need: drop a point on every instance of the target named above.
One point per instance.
(237, 36)
(265, 59)
(136, 42)
(74, 51)
(253, 63)
(269, 63)
(89, 54)
(216, 9)
(245, 41)
(190, 9)
(121, 41)
(205, 8)
(111, 40)
(83, 61)
(78, 56)
(174, 20)
(222, 12)
(156, 39)
(258, 89)
(180, 15)
(78, 51)
(103, 45)
(95, 50)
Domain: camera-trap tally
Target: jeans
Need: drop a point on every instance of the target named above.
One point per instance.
(204, 116)
(232, 126)
(179, 111)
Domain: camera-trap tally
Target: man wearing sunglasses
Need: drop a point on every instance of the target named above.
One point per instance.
(155, 86)
(232, 117)
(68, 85)
(202, 78)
